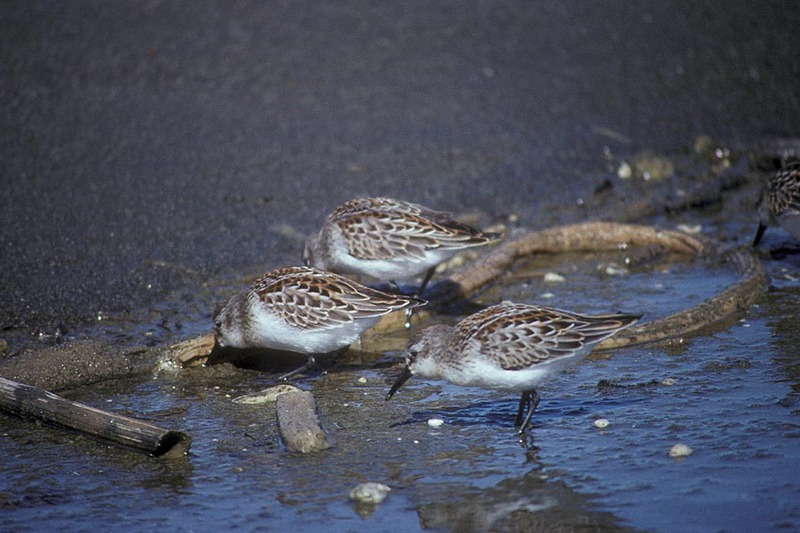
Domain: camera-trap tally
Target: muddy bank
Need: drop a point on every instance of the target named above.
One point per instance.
(85, 362)
(150, 149)
(157, 157)
(78, 363)
(712, 176)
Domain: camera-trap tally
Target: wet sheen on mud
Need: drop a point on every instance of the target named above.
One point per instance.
(727, 395)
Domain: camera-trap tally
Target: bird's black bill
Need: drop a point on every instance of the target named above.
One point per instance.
(759, 234)
(402, 378)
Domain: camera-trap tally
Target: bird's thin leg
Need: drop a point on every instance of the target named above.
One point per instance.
(311, 363)
(759, 234)
(531, 398)
(408, 310)
(523, 401)
(426, 279)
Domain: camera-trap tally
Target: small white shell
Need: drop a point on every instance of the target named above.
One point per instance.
(554, 277)
(269, 395)
(435, 422)
(612, 269)
(601, 423)
(680, 450)
(624, 171)
(370, 492)
(690, 229)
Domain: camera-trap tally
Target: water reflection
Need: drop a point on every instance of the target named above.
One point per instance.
(781, 305)
(530, 502)
(731, 395)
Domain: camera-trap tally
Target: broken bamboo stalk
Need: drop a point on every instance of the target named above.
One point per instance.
(27, 401)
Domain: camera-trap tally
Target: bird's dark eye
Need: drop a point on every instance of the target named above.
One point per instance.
(218, 325)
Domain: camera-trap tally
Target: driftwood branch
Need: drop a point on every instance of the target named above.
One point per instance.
(27, 401)
(609, 236)
(586, 237)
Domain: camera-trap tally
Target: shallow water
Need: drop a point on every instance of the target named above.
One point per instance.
(730, 395)
(154, 152)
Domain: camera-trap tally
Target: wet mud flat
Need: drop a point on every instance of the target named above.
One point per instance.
(450, 455)
(469, 473)
(158, 158)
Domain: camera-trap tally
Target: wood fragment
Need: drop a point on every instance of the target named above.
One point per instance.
(299, 424)
(192, 352)
(27, 401)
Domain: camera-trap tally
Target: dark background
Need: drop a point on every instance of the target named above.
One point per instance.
(150, 148)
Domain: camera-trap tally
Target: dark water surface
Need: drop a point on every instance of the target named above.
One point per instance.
(156, 156)
(728, 395)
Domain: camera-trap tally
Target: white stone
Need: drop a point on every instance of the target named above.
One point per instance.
(680, 450)
(370, 492)
(435, 422)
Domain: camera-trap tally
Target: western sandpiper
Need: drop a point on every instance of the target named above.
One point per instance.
(780, 202)
(390, 240)
(305, 310)
(508, 347)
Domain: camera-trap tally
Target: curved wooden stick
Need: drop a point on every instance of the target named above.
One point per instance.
(609, 236)
(585, 237)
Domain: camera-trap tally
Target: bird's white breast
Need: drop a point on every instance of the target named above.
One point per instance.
(487, 373)
(269, 329)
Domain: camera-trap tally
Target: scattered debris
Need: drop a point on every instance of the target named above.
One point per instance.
(601, 423)
(370, 492)
(553, 277)
(680, 450)
(435, 422)
(269, 395)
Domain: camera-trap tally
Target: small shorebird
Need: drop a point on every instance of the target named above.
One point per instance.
(779, 204)
(389, 240)
(509, 347)
(305, 310)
